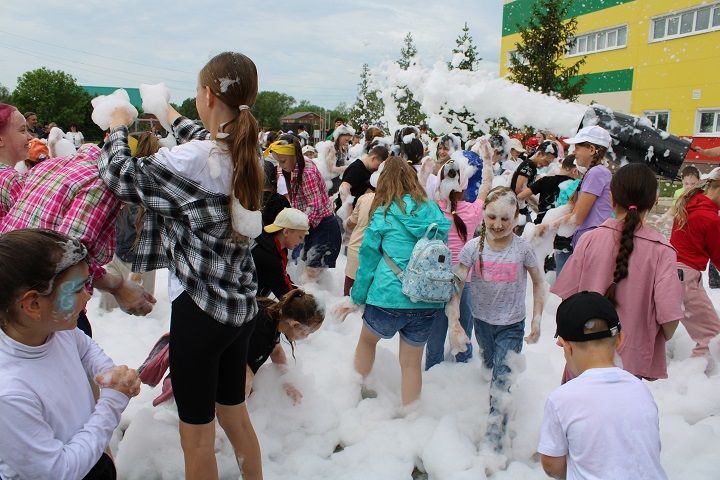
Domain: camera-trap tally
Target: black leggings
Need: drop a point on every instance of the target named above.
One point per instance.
(207, 361)
(104, 469)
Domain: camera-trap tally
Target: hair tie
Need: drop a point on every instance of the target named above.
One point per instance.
(453, 212)
(632, 207)
(243, 107)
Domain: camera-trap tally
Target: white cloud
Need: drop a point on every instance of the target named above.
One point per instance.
(311, 50)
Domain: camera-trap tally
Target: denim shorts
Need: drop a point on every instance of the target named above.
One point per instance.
(414, 324)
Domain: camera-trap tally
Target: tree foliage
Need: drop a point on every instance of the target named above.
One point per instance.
(270, 106)
(188, 109)
(465, 54)
(4, 94)
(409, 112)
(54, 95)
(544, 42)
(368, 105)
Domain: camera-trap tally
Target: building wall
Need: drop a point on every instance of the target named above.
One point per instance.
(679, 75)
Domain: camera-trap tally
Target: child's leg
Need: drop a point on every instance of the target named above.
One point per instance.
(410, 362)
(485, 337)
(435, 348)
(466, 320)
(701, 320)
(507, 338)
(235, 421)
(365, 351)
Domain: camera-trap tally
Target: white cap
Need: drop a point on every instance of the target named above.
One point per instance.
(516, 145)
(308, 148)
(290, 218)
(593, 134)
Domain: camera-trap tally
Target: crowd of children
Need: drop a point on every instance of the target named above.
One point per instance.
(226, 224)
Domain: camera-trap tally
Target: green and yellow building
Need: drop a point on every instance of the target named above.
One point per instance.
(657, 58)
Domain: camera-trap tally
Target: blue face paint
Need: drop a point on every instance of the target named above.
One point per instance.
(65, 302)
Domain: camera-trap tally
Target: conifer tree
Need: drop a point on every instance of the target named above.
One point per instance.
(544, 41)
(408, 107)
(465, 54)
(368, 106)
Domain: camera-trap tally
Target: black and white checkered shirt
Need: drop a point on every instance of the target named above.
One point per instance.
(187, 228)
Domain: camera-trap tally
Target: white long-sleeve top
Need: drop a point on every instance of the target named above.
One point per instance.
(50, 426)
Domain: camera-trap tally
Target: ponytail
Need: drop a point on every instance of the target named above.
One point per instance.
(459, 224)
(481, 246)
(247, 180)
(627, 245)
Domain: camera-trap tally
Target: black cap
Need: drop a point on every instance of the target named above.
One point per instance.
(578, 309)
(548, 146)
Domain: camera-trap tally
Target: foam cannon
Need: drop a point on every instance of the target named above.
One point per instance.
(636, 140)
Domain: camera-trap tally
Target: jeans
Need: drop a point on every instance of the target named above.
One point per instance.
(435, 348)
(413, 324)
(495, 341)
(713, 276)
(560, 259)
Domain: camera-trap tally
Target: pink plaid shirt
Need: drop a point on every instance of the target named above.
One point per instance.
(311, 197)
(66, 195)
(10, 187)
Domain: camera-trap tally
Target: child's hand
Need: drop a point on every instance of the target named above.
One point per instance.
(292, 392)
(121, 378)
(121, 116)
(534, 331)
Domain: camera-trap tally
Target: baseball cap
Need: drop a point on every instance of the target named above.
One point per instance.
(576, 310)
(308, 148)
(516, 145)
(593, 134)
(291, 218)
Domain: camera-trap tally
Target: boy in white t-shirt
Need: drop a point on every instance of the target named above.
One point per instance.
(604, 423)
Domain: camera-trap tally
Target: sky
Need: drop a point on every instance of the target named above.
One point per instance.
(310, 49)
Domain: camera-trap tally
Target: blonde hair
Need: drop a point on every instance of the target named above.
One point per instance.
(397, 179)
(680, 215)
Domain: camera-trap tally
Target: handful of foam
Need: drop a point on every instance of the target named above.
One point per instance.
(155, 100)
(105, 105)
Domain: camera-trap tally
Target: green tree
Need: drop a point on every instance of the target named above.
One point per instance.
(188, 109)
(270, 106)
(465, 54)
(305, 106)
(408, 108)
(4, 94)
(54, 95)
(368, 106)
(544, 41)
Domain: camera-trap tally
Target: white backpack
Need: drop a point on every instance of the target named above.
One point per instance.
(428, 276)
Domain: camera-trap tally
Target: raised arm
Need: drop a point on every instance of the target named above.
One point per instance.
(487, 172)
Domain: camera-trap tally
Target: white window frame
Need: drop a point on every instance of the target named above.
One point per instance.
(657, 113)
(698, 115)
(595, 33)
(678, 14)
(510, 54)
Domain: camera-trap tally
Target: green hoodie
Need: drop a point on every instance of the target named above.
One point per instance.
(396, 234)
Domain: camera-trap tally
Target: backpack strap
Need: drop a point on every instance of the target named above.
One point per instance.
(393, 266)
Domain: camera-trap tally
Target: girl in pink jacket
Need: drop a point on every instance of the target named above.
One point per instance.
(642, 282)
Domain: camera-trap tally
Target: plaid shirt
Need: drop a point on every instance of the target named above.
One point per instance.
(66, 195)
(187, 228)
(10, 187)
(311, 197)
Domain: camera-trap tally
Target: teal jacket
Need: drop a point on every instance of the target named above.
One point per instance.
(396, 235)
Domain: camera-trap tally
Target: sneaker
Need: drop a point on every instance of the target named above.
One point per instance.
(366, 392)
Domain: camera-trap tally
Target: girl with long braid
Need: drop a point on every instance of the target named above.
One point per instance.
(465, 217)
(643, 280)
(498, 261)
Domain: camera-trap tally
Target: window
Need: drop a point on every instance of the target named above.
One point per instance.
(608, 39)
(708, 122)
(514, 53)
(689, 22)
(660, 119)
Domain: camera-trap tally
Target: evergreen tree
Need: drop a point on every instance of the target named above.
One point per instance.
(408, 107)
(465, 54)
(368, 106)
(544, 42)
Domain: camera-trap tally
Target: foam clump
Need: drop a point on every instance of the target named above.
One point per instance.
(58, 145)
(155, 99)
(105, 105)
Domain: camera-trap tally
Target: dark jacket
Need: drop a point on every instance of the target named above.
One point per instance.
(271, 265)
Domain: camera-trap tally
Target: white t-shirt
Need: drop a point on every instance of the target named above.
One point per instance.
(50, 425)
(498, 292)
(205, 163)
(606, 422)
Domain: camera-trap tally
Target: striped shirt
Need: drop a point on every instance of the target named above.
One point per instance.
(66, 195)
(10, 187)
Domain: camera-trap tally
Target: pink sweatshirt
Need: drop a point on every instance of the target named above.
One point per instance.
(648, 297)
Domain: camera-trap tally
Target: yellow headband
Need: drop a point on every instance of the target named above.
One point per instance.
(133, 143)
(279, 148)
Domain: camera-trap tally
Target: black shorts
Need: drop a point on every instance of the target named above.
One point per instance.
(207, 361)
(322, 244)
